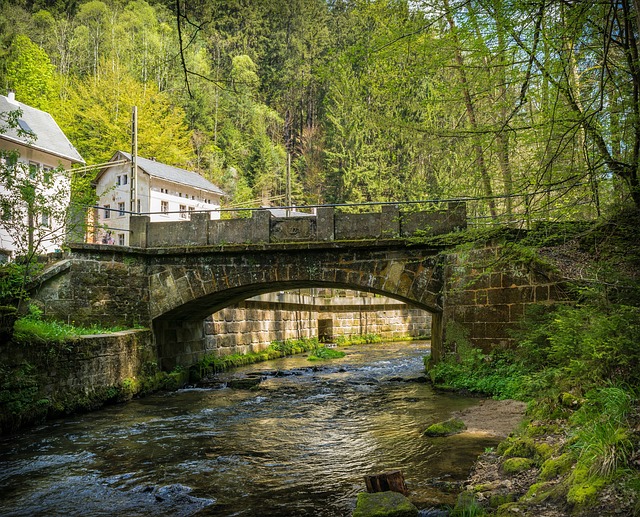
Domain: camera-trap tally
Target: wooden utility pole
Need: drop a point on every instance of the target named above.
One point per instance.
(134, 160)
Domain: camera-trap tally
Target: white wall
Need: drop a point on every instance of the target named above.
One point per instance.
(29, 155)
(151, 193)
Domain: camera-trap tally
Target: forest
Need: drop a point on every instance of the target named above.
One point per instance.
(529, 108)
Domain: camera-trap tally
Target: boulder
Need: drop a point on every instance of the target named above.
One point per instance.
(384, 504)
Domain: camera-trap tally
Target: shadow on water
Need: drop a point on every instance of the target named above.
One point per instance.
(299, 444)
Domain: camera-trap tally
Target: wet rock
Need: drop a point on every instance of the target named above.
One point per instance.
(384, 504)
(446, 428)
(246, 383)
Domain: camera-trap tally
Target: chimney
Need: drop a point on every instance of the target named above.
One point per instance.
(11, 97)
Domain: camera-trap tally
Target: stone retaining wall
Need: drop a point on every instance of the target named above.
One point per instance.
(53, 378)
(254, 324)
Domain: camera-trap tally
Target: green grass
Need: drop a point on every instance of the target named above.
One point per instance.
(365, 339)
(213, 363)
(27, 330)
(33, 329)
(322, 353)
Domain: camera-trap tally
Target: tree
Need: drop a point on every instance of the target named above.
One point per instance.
(97, 116)
(31, 74)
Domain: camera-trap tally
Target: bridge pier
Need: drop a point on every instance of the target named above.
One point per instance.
(179, 342)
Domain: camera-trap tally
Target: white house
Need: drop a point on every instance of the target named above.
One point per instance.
(164, 193)
(41, 146)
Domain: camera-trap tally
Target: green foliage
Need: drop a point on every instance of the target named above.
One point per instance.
(321, 353)
(12, 285)
(497, 374)
(31, 73)
(21, 402)
(363, 339)
(89, 119)
(467, 506)
(603, 436)
(213, 363)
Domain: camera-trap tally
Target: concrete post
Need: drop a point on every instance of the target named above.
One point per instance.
(260, 226)
(200, 228)
(138, 225)
(457, 213)
(325, 229)
(390, 222)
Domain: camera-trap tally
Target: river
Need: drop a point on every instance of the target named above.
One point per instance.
(298, 445)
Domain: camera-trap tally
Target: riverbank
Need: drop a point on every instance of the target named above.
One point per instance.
(577, 453)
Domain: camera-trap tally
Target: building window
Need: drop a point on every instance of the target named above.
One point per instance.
(121, 209)
(33, 169)
(164, 206)
(125, 179)
(107, 211)
(183, 212)
(121, 239)
(45, 220)
(117, 180)
(47, 173)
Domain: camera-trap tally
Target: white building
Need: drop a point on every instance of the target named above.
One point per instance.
(164, 193)
(41, 146)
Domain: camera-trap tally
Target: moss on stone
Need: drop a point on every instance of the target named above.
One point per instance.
(584, 487)
(569, 400)
(446, 428)
(510, 510)
(485, 487)
(516, 465)
(497, 500)
(384, 504)
(538, 492)
(554, 467)
(525, 447)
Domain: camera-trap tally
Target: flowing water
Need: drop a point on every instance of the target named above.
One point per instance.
(299, 445)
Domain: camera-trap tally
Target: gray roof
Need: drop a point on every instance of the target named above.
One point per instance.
(283, 212)
(48, 136)
(174, 174)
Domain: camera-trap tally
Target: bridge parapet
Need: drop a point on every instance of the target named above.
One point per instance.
(326, 225)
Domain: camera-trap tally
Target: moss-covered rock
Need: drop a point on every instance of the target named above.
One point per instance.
(510, 510)
(584, 487)
(384, 504)
(446, 428)
(498, 500)
(524, 447)
(538, 492)
(554, 467)
(516, 465)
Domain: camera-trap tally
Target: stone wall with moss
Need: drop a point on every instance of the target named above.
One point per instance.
(41, 380)
(487, 291)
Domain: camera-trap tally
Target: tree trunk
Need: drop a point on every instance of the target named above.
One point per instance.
(471, 114)
(385, 482)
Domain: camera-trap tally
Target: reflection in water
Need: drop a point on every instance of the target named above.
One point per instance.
(299, 445)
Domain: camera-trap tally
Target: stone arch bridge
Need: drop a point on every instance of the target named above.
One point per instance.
(176, 274)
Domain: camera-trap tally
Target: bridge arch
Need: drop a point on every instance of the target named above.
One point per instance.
(183, 292)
